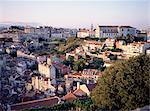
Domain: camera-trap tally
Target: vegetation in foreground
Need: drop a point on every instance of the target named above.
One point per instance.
(125, 85)
(76, 105)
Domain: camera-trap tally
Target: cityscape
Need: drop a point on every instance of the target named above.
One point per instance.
(73, 56)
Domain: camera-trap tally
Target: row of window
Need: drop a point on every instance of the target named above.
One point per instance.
(113, 30)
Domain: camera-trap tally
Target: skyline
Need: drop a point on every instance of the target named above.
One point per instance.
(75, 14)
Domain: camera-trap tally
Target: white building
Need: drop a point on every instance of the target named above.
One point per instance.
(148, 51)
(82, 33)
(26, 54)
(109, 43)
(91, 45)
(126, 30)
(136, 48)
(57, 35)
(114, 31)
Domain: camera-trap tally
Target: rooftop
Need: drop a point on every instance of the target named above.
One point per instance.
(35, 103)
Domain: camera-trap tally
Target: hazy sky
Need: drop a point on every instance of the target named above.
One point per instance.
(80, 13)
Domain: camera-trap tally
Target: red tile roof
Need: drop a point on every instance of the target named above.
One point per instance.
(35, 103)
(79, 92)
(70, 96)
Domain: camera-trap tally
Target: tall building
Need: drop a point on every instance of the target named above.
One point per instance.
(48, 70)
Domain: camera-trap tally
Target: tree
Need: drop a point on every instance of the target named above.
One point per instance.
(79, 65)
(129, 38)
(97, 63)
(125, 85)
(69, 61)
(112, 57)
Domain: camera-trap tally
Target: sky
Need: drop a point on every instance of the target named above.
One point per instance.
(77, 14)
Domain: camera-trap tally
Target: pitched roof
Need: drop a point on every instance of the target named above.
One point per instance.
(79, 92)
(91, 86)
(69, 96)
(35, 103)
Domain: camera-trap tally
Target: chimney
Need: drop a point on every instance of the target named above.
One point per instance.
(36, 82)
(87, 81)
(78, 85)
(49, 82)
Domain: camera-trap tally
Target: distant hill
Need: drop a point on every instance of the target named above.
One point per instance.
(7, 24)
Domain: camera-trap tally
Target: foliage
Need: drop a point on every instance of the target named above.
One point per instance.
(91, 38)
(79, 65)
(84, 105)
(113, 50)
(125, 85)
(70, 44)
(69, 61)
(112, 57)
(127, 39)
(97, 63)
(140, 39)
(102, 39)
(116, 50)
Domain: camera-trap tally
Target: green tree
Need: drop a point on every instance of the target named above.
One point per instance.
(129, 38)
(97, 63)
(125, 85)
(79, 65)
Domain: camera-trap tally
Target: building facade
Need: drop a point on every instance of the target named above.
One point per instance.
(48, 70)
(114, 31)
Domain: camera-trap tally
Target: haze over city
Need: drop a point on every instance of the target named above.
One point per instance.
(75, 14)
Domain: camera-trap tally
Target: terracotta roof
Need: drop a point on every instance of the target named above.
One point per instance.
(70, 96)
(35, 103)
(79, 92)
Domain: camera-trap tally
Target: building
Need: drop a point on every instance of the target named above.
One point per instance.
(25, 54)
(91, 45)
(114, 31)
(57, 35)
(35, 103)
(87, 88)
(110, 43)
(41, 83)
(41, 59)
(13, 36)
(82, 33)
(106, 31)
(148, 51)
(48, 71)
(142, 36)
(29, 29)
(148, 35)
(136, 48)
(126, 30)
(76, 94)
(87, 75)
(61, 69)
